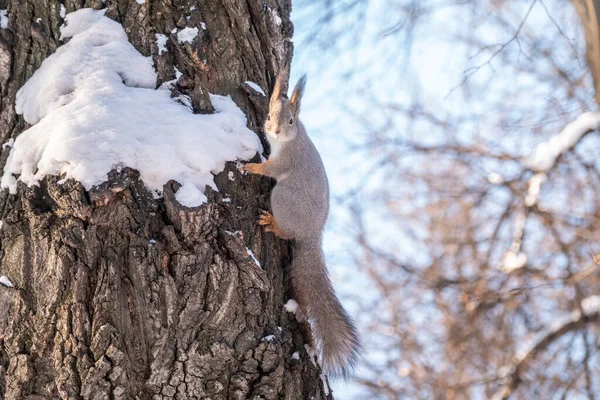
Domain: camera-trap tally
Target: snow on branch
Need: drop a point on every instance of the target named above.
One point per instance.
(94, 107)
(590, 312)
(548, 152)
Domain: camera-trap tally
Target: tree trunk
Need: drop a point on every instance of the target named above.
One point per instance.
(589, 14)
(122, 296)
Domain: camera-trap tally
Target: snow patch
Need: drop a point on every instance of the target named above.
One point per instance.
(140, 1)
(296, 356)
(255, 87)
(230, 176)
(547, 152)
(10, 144)
(591, 305)
(187, 35)
(276, 17)
(203, 25)
(268, 338)
(533, 192)
(161, 43)
(291, 306)
(63, 11)
(495, 178)
(312, 354)
(253, 257)
(325, 385)
(6, 282)
(3, 19)
(535, 340)
(514, 260)
(94, 107)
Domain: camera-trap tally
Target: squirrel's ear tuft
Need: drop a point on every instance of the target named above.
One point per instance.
(276, 95)
(297, 94)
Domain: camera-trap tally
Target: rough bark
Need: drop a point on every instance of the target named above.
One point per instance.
(123, 296)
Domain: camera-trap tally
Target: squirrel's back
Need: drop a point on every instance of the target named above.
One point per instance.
(300, 199)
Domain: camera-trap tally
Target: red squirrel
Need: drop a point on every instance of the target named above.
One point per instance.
(300, 204)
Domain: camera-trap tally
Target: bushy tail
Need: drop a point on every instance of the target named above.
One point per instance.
(334, 333)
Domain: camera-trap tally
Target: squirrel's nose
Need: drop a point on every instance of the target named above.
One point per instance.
(277, 131)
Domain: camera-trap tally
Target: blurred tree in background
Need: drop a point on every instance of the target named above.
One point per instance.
(480, 251)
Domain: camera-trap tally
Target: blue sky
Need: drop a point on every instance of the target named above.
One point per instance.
(429, 69)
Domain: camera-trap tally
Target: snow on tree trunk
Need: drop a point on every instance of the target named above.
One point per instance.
(121, 295)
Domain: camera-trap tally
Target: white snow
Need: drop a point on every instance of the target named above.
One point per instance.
(187, 35)
(591, 305)
(276, 17)
(325, 385)
(203, 25)
(63, 11)
(140, 1)
(255, 87)
(161, 43)
(1, 224)
(180, 98)
(253, 257)
(291, 306)
(6, 282)
(38, 20)
(534, 340)
(231, 176)
(514, 260)
(296, 356)
(547, 152)
(94, 107)
(533, 192)
(268, 338)
(10, 144)
(226, 200)
(3, 19)
(495, 178)
(312, 354)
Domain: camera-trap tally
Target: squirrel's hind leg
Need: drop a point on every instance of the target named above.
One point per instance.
(268, 221)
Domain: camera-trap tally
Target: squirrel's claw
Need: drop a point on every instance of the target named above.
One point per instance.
(266, 219)
(253, 168)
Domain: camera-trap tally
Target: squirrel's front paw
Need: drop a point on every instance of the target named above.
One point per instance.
(253, 168)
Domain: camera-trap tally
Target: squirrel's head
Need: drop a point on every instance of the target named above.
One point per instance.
(282, 121)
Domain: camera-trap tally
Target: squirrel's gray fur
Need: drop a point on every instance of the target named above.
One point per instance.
(300, 203)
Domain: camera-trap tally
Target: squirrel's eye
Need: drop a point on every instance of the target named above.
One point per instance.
(268, 117)
(291, 121)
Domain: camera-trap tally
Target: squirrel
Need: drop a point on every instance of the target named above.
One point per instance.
(300, 204)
